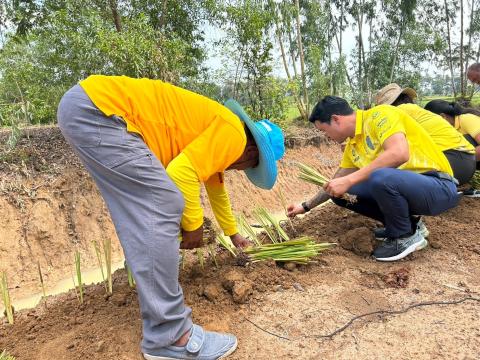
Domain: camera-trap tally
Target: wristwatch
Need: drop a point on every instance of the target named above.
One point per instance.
(305, 207)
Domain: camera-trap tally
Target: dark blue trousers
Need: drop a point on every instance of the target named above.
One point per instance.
(393, 196)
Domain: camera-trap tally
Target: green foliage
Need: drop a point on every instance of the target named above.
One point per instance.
(5, 356)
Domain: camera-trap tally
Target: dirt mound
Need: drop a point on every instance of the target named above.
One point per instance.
(298, 312)
(50, 206)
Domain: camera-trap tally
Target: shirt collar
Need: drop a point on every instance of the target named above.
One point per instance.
(359, 114)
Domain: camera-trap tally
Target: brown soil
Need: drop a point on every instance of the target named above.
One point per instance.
(276, 312)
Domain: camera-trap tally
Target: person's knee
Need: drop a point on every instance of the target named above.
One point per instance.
(380, 178)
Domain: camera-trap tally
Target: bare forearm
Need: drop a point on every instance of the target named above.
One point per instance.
(322, 196)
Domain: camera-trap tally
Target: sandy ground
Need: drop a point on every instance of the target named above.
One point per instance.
(276, 312)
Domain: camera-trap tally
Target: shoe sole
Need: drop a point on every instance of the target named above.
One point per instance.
(153, 357)
(414, 247)
(473, 196)
(425, 233)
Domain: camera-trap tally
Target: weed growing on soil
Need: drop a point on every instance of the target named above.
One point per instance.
(5, 356)
(79, 275)
(99, 260)
(6, 298)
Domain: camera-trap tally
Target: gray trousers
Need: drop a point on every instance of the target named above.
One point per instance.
(145, 206)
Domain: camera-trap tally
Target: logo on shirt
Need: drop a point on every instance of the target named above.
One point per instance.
(369, 143)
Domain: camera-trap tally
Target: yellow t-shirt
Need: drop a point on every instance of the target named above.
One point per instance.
(376, 125)
(468, 124)
(443, 134)
(174, 121)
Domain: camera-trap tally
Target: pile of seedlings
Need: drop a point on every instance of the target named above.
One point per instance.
(475, 181)
(273, 242)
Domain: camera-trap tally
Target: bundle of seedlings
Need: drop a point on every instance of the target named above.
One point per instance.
(299, 251)
(475, 180)
(270, 225)
(312, 176)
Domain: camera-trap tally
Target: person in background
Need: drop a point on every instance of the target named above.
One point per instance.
(466, 121)
(459, 152)
(393, 168)
(149, 146)
(473, 73)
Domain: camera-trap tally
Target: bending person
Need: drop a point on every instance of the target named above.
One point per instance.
(149, 145)
(392, 166)
(459, 152)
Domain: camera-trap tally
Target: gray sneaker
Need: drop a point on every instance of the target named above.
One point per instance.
(202, 345)
(398, 248)
(381, 236)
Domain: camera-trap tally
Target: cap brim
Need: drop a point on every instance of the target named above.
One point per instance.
(264, 175)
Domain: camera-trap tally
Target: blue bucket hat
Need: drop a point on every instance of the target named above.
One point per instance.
(270, 143)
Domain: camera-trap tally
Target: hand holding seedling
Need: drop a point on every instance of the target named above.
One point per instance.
(338, 187)
(192, 239)
(239, 241)
(294, 210)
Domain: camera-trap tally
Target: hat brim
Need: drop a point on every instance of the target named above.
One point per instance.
(412, 94)
(264, 175)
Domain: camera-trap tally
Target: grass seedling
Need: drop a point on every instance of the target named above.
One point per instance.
(226, 243)
(79, 275)
(212, 254)
(271, 226)
(311, 175)
(281, 197)
(100, 263)
(300, 251)
(131, 281)
(199, 252)
(6, 298)
(107, 252)
(5, 356)
(44, 296)
(246, 230)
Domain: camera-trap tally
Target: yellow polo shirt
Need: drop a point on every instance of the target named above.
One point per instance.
(443, 134)
(376, 125)
(468, 124)
(195, 138)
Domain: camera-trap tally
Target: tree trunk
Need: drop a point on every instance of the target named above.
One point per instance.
(395, 54)
(462, 82)
(161, 22)
(302, 58)
(450, 61)
(116, 16)
(299, 104)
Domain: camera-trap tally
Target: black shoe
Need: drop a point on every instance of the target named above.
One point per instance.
(472, 193)
(398, 248)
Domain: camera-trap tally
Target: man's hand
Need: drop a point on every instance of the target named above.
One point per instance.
(338, 187)
(294, 210)
(239, 241)
(192, 239)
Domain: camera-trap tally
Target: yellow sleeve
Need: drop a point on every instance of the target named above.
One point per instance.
(220, 202)
(470, 124)
(217, 147)
(387, 124)
(185, 178)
